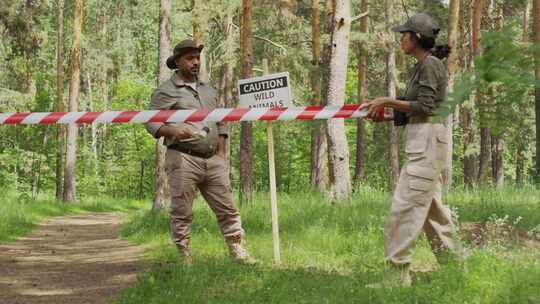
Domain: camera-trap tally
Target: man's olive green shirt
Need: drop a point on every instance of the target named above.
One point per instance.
(176, 94)
(427, 88)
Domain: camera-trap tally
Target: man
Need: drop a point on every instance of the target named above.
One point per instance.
(195, 154)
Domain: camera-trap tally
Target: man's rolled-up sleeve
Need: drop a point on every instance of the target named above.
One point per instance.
(223, 129)
(158, 101)
(427, 91)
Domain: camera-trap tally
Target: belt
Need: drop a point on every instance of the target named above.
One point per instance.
(192, 152)
(419, 119)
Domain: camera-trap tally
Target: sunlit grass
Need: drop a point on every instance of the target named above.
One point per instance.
(329, 253)
(18, 215)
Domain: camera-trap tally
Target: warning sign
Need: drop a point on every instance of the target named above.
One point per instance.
(270, 91)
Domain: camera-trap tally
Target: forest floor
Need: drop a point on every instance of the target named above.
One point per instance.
(330, 253)
(70, 259)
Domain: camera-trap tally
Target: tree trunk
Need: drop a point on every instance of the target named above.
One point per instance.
(199, 7)
(30, 53)
(466, 117)
(59, 95)
(287, 7)
(520, 165)
(536, 29)
(318, 136)
(497, 162)
(485, 145)
(362, 90)
(338, 148)
(160, 177)
(522, 143)
(391, 79)
(246, 133)
(227, 78)
(74, 79)
(453, 21)
(526, 21)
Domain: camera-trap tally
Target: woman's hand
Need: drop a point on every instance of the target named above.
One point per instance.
(375, 107)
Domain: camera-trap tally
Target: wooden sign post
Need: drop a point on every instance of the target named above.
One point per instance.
(273, 187)
(269, 91)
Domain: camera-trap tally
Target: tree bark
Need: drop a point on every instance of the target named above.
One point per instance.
(227, 80)
(536, 29)
(30, 53)
(59, 95)
(318, 137)
(338, 148)
(362, 90)
(522, 143)
(75, 71)
(246, 133)
(466, 117)
(199, 7)
(485, 137)
(391, 79)
(160, 177)
(287, 7)
(497, 151)
(453, 22)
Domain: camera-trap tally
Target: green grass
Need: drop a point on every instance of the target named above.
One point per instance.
(329, 254)
(18, 215)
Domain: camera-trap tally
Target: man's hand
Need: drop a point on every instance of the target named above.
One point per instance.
(175, 132)
(182, 133)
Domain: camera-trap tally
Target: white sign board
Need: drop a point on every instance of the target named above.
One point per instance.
(269, 91)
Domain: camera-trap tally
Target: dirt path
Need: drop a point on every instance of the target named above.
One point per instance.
(73, 259)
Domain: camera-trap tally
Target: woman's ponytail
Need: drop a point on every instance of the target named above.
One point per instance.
(441, 51)
(428, 44)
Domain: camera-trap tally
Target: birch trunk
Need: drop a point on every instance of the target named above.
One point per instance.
(453, 23)
(338, 148)
(69, 194)
(391, 79)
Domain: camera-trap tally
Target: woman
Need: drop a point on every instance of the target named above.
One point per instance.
(417, 203)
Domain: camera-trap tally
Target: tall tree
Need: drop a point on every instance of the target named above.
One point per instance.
(338, 148)
(287, 7)
(318, 136)
(485, 138)
(29, 52)
(227, 77)
(467, 109)
(199, 8)
(453, 22)
(391, 79)
(523, 141)
(160, 178)
(497, 138)
(536, 29)
(362, 89)
(246, 133)
(74, 79)
(59, 94)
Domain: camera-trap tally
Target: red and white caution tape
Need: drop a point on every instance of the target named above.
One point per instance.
(204, 115)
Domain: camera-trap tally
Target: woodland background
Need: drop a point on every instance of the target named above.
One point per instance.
(97, 55)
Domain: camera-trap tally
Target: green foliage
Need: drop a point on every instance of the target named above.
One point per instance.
(503, 75)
